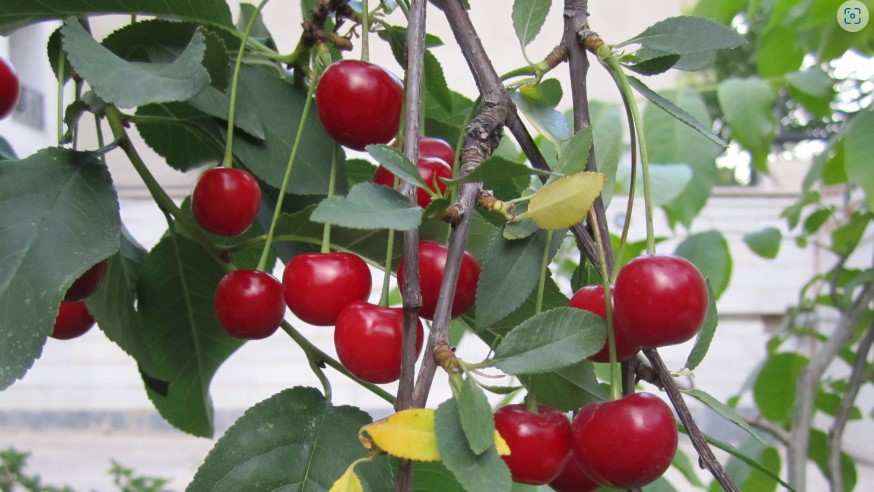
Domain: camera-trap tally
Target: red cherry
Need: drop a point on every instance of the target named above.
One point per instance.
(436, 147)
(625, 443)
(9, 88)
(591, 298)
(225, 201)
(368, 339)
(572, 478)
(73, 320)
(359, 103)
(248, 304)
(317, 286)
(87, 283)
(431, 169)
(540, 443)
(660, 300)
(432, 262)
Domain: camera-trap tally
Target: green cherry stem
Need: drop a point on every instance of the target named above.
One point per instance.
(228, 159)
(615, 368)
(386, 276)
(544, 267)
(262, 263)
(326, 235)
(365, 31)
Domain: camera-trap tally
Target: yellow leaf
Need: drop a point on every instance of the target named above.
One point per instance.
(348, 482)
(501, 445)
(407, 434)
(566, 201)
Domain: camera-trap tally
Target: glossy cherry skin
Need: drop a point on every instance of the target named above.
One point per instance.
(436, 147)
(432, 262)
(359, 103)
(248, 304)
(431, 169)
(591, 298)
(9, 88)
(225, 201)
(73, 320)
(369, 338)
(317, 286)
(87, 283)
(660, 300)
(572, 478)
(625, 443)
(540, 443)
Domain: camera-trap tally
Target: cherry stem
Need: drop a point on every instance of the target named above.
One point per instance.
(228, 159)
(262, 263)
(326, 235)
(544, 267)
(365, 31)
(386, 276)
(615, 369)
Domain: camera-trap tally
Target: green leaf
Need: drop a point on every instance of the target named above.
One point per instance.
(183, 147)
(778, 52)
(748, 106)
(760, 482)
(127, 85)
(60, 217)
(19, 12)
(369, 206)
(682, 463)
(671, 141)
(846, 237)
(7, 153)
(359, 171)
(546, 119)
(435, 81)
(396, 162)
(484, 472)
(705, 334)
(709, 252)
(575, 154)
(476, 417)
(814, 89)
(765, 242)
(567, 389)
(497, 168)
(431, 476)
(722, 12)
(651, 66)
(667, 181)
(294, 440)
(684, 34)
(609, 131)
(774, 389)
(510, 271)
(528, 18)
(279, 107)
(817, 451)
(549, 341)
(859, 160)
(725, 411)
(675, 111)
(175, 289)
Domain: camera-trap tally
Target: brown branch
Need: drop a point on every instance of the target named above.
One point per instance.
(860, 373)
(808, 381)
(775, 430)
(705, 454)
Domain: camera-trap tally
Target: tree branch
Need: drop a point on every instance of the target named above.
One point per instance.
(859, 375)
(808, 381)
(706, 456)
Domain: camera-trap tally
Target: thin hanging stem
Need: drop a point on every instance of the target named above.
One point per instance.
(326, 234)
(386, 277)
(544, 267)
(365, 31)
(228, 159)
(615, 369)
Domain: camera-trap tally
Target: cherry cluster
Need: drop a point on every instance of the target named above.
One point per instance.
(658, 300)
(359, 104)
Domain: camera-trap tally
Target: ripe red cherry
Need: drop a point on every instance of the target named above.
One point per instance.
(431, 169)
(248, 304)
(432, 262)
(9, 88)
(225, 201)
(540, 443)
(625, 443)
(73, 320)
(87, 283)
(591, 298)
(359, 103)
(436, 147)
(368, 339)
(317, 286)
(572, 478)
(660, 300)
